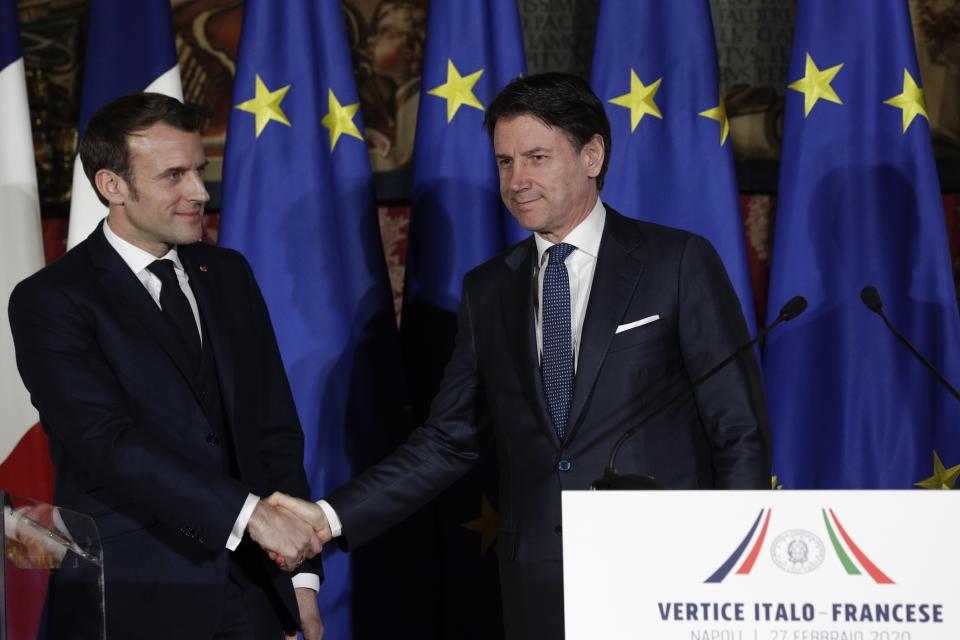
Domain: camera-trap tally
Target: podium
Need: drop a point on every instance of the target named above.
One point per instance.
(776, 565)
(44, 544)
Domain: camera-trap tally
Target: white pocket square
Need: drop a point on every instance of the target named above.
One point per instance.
(638, 323)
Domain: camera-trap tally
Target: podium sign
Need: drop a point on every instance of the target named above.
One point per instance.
(771, 565)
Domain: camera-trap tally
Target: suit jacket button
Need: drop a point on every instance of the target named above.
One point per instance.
(558, 530)
(213, 439)
(564, 465)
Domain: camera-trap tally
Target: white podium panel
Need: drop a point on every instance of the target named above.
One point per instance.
(761, 565)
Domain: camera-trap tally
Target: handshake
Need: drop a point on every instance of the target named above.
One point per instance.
(290, 530)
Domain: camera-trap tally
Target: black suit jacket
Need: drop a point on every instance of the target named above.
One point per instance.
(717, 439)
(130, 438)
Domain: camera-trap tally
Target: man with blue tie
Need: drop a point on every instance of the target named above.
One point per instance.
(565, 341)
(152, 361)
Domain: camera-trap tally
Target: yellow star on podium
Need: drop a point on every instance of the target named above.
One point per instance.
(910, 101)
(458, 90)
(639, 100)
(265, 105)
(485, 525)
(815, 85)
(719, 113)
(339, 120)
(942, 478)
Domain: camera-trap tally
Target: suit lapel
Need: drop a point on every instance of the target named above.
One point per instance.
(203, 284)
(516, 295)
(131, 299)
(615, 279)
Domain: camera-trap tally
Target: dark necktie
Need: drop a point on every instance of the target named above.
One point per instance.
(557, 366)
(176, 308)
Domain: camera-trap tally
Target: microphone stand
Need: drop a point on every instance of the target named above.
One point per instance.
(611, 480)
(871, 298)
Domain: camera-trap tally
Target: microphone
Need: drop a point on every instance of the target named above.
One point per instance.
(611, 480)
(871, 299)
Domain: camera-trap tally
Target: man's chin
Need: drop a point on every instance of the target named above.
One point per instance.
(529, 219)
(189, 234)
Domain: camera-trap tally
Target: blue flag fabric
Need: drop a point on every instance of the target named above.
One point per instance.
(655, 69)
(130, 48)
(298, 202)
(859, 204)
(473, 49)
(129, 45)
(9, 33)
(458, 220)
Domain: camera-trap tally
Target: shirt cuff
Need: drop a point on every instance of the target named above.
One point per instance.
(335, 527)
(236, 534)
(306, 581)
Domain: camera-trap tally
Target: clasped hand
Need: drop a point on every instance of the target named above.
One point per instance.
(289, 529)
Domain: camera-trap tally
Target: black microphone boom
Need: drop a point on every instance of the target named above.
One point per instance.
(871, 298)
(611, 479)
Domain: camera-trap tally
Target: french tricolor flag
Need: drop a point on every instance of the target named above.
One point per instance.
(25, 467)
(24, 461)
(130, 48)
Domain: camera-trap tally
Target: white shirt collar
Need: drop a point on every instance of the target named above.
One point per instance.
(585, 236)
(135, 257)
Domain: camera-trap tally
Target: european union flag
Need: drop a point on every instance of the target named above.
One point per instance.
(655, 69)
(130, 48)
(457, 220)
(859, 205)
(298, 202)
(473, 49)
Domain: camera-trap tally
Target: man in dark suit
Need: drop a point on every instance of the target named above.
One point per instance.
(153, 364)
(565, 341)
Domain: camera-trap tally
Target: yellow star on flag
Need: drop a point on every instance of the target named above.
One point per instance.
(639, 100)
(942, 478)
(485, 525)
(815, 85)
(775, 483)
(458, 90)
(910, 101)
(339, 120)
(265, 105)
(719, 113)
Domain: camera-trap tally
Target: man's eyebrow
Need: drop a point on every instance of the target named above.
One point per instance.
(527, 153)
(535, 151)
(183, 169)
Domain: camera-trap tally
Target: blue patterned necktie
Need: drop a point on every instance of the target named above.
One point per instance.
(556, 368)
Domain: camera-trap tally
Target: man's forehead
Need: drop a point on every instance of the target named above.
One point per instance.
(525, 132)
(164, 144)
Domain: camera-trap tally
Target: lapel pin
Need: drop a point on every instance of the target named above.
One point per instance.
(203, 268)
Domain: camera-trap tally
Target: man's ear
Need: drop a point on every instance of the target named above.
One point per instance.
(593, 153)
(112, 187)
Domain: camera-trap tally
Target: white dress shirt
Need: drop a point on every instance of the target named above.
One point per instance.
(580, 267)
(138, 260)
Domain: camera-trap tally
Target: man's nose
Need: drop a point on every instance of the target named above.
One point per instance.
(519, 178)
(197, 190)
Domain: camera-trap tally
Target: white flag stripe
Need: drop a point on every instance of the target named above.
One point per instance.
(86, 210)
(21, 243)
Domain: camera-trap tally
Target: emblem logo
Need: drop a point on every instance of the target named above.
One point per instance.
(797, 551)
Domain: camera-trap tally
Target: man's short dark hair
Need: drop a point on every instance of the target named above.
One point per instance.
(104, 143)
(559, 100)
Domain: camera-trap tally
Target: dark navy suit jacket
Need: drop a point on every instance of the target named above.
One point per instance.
(131, 440)
(719, 438)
